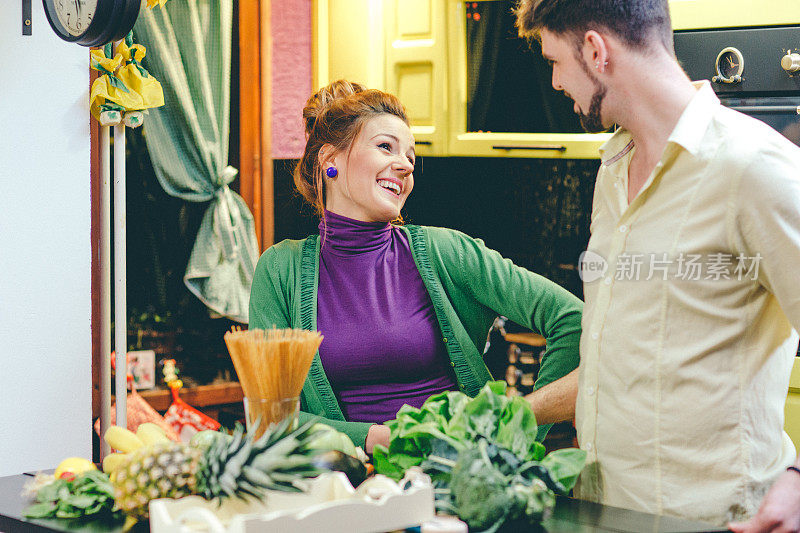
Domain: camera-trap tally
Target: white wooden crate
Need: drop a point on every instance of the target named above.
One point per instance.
(330, 504)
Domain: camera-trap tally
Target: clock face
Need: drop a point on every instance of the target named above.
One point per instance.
(75, 15)
(91, 22)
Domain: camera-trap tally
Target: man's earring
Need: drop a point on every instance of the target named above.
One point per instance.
(331, 172)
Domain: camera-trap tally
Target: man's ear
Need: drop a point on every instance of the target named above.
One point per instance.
(595, 51)
(326, 156)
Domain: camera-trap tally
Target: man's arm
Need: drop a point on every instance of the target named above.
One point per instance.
(768, 224)
(555, 402)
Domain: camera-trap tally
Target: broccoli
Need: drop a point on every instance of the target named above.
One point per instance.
(479, 491)
(486, 492)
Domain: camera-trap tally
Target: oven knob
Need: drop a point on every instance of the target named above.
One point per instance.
(791, 62)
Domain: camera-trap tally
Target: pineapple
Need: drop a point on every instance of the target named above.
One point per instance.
(241, 466)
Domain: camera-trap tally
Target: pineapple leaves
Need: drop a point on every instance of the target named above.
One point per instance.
(245, 466)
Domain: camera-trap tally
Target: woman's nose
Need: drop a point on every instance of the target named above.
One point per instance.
(404, 165)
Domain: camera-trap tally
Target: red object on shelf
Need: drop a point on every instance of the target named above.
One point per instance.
(184, 419)
(138, 411)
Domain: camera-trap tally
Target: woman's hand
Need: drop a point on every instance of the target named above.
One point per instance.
(377, 434)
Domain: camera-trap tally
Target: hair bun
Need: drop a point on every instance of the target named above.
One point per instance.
(323, 98)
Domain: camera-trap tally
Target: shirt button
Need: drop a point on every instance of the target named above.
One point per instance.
(445, 340)
(590, 391)
(595, 335)
(607, 281)
(453, 364)
(588, 447)
(623, 228)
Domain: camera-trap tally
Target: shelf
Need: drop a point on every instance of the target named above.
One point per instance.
(530, 339)
(200, 396)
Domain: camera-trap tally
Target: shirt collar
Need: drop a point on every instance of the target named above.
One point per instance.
(694, 121)
(688, 132)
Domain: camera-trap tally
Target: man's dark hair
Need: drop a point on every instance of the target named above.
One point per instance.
(635, 22)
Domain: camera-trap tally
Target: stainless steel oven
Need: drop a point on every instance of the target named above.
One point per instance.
(753, 70)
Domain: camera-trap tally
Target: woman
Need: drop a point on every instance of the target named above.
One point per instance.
(404, 310)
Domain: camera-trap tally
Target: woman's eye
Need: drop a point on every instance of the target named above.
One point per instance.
(385, 146)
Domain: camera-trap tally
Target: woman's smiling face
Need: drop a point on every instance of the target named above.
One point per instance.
(376, 176)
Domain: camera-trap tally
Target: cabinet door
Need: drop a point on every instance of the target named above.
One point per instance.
(416, 67)
(348, 42)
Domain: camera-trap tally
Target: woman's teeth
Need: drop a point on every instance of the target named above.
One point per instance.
(392, 186)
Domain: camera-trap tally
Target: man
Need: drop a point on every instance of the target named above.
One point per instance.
(688, 338)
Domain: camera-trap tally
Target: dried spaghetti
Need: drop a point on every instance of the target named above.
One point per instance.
(272, 366)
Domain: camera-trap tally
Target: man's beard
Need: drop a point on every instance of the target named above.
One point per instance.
(592, 122)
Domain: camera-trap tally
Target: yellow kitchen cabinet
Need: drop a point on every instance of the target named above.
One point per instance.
(792, 408)
(416, 49)
(395, 45)
(499, 144)
(348, 42)
(417, 68)
(699, 14)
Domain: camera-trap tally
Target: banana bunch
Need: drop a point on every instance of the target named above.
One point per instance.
(127, 442)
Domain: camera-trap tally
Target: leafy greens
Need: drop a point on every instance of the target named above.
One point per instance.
(482, 456)
(88, 494)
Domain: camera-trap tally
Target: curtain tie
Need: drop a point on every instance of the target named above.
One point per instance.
(229, 218)
(227, 175)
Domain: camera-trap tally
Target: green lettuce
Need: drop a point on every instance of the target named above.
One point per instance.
(482, 456)
(459, 420)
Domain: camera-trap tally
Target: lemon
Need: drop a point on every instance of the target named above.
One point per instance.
(74, 466)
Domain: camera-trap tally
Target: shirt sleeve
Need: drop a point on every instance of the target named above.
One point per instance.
(766, 223)
(269, 306)
(357, 431)
(526, 298)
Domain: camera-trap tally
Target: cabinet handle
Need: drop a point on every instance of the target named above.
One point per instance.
(423, 143)
(768, 109)
(554, 147)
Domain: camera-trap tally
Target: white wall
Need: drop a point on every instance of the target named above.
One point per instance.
(45, 254)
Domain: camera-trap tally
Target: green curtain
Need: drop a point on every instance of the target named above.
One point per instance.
(189, 51)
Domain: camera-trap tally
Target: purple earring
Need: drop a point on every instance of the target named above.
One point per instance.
(331, 172)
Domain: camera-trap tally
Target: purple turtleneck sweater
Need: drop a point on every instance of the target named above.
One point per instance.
(382, 345)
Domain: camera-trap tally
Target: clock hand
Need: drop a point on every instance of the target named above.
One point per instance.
(730, 62)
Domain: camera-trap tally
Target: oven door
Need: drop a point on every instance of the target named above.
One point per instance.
(780, 113)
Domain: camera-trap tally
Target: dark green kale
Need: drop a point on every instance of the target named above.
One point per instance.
(89, 494)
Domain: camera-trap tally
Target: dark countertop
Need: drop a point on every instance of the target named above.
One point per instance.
(573, 516)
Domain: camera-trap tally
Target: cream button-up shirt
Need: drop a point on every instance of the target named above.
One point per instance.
(692, 299)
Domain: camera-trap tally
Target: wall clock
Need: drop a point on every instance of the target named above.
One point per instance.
(92, 22)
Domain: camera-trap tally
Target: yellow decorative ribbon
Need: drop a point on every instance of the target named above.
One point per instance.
(128, 88)
(107, 90)
(137, 79)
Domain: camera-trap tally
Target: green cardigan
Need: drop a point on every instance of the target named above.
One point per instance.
(469, 285)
